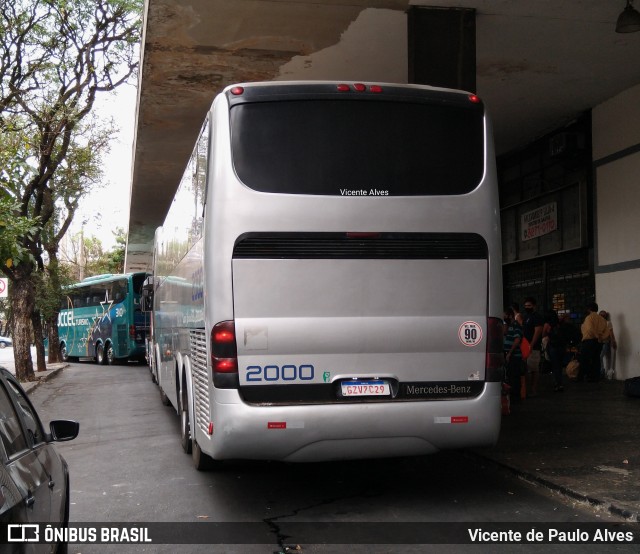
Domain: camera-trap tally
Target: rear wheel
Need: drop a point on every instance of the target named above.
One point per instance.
(64, 355)
(185, 429)
(154, 369)
(100, 354)
(109, 354)
(164, 398)
(201, 461)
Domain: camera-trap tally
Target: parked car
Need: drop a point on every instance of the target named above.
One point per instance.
(34, 478)
(5, 341)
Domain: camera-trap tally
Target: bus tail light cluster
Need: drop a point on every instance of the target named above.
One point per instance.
(494, 370)
(358, 87)
(224, 355)
(135, 334)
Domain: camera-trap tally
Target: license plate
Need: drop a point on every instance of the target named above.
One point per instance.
(366, 388)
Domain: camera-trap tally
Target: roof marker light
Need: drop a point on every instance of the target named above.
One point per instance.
(344, 88)
(237, 91)
(475, 99)
(375, 88)
(359, 87)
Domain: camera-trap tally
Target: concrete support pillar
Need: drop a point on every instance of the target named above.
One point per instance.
(442, 47)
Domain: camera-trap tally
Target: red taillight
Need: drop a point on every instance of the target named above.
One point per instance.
(494, 370)
(132, 331)
(223, 336)
(225, 365)
(358, 87)
(224, 354)
(237, 91)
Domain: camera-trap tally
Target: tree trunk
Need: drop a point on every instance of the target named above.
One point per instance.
(23, 297)
(36, 322)
(52, 319)
(54, 339)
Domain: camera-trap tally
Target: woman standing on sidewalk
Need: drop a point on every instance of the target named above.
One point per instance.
(594, 333)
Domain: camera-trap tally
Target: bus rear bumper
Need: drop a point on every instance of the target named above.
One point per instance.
(312, 433)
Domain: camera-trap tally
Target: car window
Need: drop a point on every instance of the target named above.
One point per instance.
(11, 433)
(31, 420)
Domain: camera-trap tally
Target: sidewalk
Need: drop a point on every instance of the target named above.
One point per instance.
(583, 442)
(41, 376)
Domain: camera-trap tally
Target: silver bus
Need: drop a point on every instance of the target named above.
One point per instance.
(327, 282)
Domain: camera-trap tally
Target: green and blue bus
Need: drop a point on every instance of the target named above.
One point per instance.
(101, 318)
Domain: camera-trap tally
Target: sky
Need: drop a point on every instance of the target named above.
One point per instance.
(106, 208)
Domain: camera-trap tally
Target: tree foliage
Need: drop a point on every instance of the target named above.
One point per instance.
(86, 256)
(55, 57)
(13, 227)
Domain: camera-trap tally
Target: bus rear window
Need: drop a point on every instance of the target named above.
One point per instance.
(357, 148)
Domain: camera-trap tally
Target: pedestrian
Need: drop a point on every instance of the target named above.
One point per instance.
(609, 346)
(554, 347)
(513, 355)
(569, 336)
(594, 333)
(532, 330)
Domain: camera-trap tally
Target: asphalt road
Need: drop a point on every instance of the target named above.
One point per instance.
(127, 466)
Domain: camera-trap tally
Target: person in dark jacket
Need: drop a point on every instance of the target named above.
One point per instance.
(513, 355)
(553, 346)
(532, 329)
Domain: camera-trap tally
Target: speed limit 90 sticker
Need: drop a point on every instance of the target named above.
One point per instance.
(470, 333)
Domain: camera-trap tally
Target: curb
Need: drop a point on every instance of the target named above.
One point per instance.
(627, 515)
(30, 386)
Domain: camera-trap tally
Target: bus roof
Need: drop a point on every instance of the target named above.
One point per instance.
(107, 277)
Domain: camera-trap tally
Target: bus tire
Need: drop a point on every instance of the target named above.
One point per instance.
(185, 429)
(201, 461)
(100, 354)
(64, 355)
(164, 398)
(109, 354)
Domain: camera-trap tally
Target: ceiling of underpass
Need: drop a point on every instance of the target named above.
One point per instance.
(539, 65)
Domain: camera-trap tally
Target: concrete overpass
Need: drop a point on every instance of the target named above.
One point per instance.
(539, 64)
